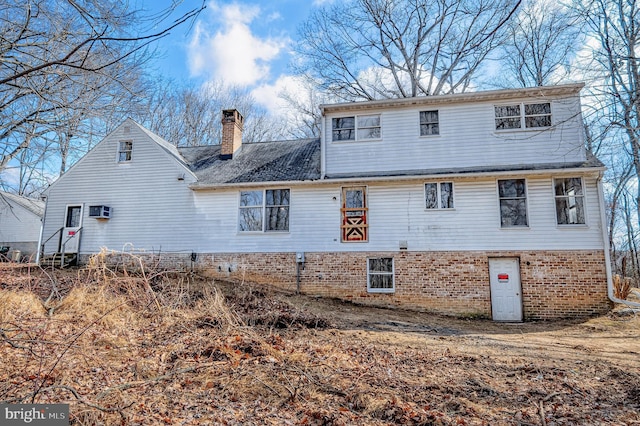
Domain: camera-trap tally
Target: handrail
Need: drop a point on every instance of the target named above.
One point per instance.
(47, 240)
(63, 246)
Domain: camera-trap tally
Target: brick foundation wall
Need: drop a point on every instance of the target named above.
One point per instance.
(555, 284)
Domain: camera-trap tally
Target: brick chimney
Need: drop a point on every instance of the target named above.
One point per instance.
(232, 122)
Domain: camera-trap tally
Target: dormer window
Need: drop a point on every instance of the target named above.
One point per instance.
(523, 116)
(429, 123)
(360, 127)
(124, 151)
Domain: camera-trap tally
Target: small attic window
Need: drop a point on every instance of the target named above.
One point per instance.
(124, 151)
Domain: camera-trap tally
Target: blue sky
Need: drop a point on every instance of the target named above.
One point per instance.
(247, 44)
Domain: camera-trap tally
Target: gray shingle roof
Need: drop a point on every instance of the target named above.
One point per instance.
(258, 162)
(591, 162)
(34, 206)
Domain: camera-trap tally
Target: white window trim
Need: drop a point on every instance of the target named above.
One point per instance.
(584, 203)
(264, 211)
(420, 135)
(438, 183)
(523, 127)
(392, 273)
(355, 129)
(526, 193)
(119, 151)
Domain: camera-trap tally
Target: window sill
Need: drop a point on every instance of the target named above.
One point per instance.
(515, 228)
(349, 141)
(440, 210)
(572, 226)
(530, 129)
(430, 136)
(263, 233)
(381, 290)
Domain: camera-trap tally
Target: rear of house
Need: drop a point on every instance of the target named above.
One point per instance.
(481, 204)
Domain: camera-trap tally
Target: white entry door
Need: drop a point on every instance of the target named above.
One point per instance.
(506, 291)
(71, 230)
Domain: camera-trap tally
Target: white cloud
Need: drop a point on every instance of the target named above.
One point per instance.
(225, 47)
(270, 95)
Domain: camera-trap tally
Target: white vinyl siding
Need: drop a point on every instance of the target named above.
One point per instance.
(467, 139)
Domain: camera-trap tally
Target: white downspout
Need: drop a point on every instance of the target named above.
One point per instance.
(323, 150)
(607, 255)
(44, 215)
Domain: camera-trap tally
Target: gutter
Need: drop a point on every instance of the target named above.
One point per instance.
(397, 178)
(607, 254)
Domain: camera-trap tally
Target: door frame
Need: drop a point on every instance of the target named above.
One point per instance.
(518, 291)
(66, 236)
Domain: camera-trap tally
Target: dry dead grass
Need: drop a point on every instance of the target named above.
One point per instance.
(163, 348)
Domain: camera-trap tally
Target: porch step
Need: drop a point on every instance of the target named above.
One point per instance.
(55, 260)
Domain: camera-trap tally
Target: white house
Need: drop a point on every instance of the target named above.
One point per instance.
(20, 222)
(482, 204)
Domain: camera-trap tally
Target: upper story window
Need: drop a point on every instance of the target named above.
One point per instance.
(438, 195)
(124, 151)
(523, 116)
(513, 202)
(264, 211)
(429, 123)
(360, 127)
(569, 201)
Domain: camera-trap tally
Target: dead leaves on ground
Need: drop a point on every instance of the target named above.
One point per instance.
(249, 358)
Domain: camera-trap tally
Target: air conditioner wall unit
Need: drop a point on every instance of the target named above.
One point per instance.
(100, 212)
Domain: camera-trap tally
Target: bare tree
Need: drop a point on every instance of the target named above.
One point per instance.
(544, 39)
(62, 62)
(614, 27)
(372, 49)
(188, 117)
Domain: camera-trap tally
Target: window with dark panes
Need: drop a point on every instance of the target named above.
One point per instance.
(124, 151)
(429, 124)
(250, 215)
(438, 195)
(361, 127)
(523, 116)
(344, 128)
(513, 202)
(264, 211)
(277, 210)
(569, 201)
(368, 127)
(380, 275)
(537, 115)
(507, 117)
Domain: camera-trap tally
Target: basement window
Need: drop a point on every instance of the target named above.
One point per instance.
(380, 275)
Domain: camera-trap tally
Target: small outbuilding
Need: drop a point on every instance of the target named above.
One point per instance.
(20, 224)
